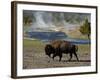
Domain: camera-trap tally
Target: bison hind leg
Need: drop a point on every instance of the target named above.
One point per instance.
(70, 56)
(76, 56)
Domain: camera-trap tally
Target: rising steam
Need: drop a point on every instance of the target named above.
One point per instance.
(55, 21)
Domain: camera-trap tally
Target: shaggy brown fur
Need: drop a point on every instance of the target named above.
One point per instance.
(58, 47)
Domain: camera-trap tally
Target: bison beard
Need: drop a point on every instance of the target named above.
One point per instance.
(58, 47)
(49, 50)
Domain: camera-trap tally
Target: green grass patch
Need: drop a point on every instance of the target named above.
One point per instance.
(84, 48)
(32, 43)
(36, 45)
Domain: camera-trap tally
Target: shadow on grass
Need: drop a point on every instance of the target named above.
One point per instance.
(74, 60)
(80, 61)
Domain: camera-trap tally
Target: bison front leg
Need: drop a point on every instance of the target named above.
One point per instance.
(54, 55)
(60, 56)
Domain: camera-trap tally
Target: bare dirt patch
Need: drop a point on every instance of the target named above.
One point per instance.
(33, 59)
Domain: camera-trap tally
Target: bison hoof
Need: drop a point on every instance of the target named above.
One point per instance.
(69, 60)
(48, 61)
(78, 60)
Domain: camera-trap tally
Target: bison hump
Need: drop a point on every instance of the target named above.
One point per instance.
(56, 43)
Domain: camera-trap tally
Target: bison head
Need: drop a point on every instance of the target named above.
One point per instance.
(49, 50)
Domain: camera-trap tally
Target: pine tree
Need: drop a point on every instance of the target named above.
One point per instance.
(85, 29)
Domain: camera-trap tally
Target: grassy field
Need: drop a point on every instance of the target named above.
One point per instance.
(34, 56)
(37, 45)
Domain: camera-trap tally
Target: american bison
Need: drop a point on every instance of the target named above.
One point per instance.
(58, 47)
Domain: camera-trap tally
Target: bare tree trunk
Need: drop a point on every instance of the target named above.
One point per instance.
(88, 36)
